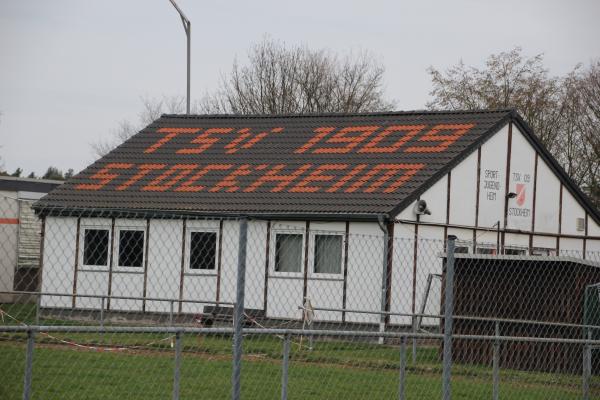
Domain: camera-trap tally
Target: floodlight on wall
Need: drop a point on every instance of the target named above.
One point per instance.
(511, 195)
(187, 26)
(421, 208)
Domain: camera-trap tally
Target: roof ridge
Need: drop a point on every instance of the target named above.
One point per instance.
(342, 114)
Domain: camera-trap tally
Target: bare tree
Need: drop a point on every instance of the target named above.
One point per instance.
(152, 109)
(508, 80)
(281, 80)
(584, 101)
(564, 112)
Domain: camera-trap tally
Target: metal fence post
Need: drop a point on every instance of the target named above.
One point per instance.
(238, 314)
(448, 311)
(496, 363)
(38, 304)
(414, 339)
(384, 283)
(102, 301)
(587, 366)
(402, 377)
(171, 313)
(285, 367)
(28, 365)
(177, 368)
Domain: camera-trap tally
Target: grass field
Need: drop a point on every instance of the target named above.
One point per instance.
(349, 370)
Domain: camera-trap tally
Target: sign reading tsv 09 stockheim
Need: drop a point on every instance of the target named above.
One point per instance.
(522, 170)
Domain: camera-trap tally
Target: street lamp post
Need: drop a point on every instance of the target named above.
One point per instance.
(187, 26)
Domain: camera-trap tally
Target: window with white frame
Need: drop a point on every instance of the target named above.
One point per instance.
(202, 250)
(131, 248)
(95, 247)
(288, 252)
(515, 251)
(328, 254)
(486, 250)
(543, 251)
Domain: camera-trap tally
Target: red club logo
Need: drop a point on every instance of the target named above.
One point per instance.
(521, 194)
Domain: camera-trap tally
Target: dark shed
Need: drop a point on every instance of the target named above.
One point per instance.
(544, 289)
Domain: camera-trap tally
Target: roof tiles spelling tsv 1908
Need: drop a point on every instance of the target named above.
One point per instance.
(333, 164)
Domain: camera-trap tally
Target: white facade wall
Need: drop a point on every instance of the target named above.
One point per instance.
(401, 299)
(163, 279)
(571, 211)
(463, 197)
(492, 180)
(59, 263)
(571, 247)
(463, 236)
(365, 267)
(516, 241)
(256, 255)
(593, 250)
(436, 198)
(429, 263)
(547, 212)
(593, 227)
(544, 242)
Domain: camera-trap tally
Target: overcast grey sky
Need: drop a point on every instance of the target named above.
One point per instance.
(71, 69)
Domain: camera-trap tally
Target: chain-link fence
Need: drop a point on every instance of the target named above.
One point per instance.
(115, 304)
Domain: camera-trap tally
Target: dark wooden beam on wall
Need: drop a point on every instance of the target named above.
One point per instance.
(76, 263)
(389, 269)
(585, 237)
(147, 241)
(560, 207)
(345, 284)
(219, 256)
(415, 260)
(535, 174)
(306, 237)
(110, 262)
(448, 187)
(506, 186)
(267, 260)
(477, 189)
(40, 276)
(182, 267)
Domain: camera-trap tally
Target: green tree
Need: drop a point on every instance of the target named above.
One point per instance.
(53, 173)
